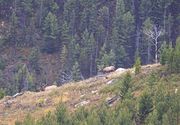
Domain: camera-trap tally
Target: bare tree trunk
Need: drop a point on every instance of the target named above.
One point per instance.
(156, 50)
(154, 35)
(149, 52)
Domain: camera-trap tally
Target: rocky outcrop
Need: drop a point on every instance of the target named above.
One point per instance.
(48, 88)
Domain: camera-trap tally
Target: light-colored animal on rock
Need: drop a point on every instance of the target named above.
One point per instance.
(109, 69)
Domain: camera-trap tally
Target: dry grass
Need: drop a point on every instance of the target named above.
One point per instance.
(40, 103)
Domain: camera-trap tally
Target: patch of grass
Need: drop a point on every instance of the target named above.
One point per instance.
(175, 78)
(54, 93)
(40, 102)
(113, 88)
(110, 89)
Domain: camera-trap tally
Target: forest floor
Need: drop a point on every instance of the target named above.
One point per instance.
(84, 93)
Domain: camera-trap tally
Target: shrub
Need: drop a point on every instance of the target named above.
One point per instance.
(62, 115)
(34, 60)
(137, 65)
(2, 93)
(174, 58)
(145, 106)
(164, 54)
(126, 84)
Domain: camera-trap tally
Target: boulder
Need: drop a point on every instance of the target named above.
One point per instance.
(110, 82)
(17, 94)
(176, 90)
(50, 88)
(83, 103)
(120, 70)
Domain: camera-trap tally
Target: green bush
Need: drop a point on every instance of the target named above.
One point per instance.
(174, 59)
(145, 106)
(62, 115)
(2, 93)
(137, 65)
(126, 84)
(164, 53)
(34, 59)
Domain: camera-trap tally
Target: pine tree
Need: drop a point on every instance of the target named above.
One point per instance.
(145, 106)
(137, 65)
(107, 59)
(126, 84)
(51, 30)
(13, 27)
(123, 30)
(24, 79)
(173, 58)
(63, 57)
(76, 73)
(62, 115)
(121, 57)
(65, 37)
(66, 48)
(34, 59)
(164, 54)
(176, 61)
(87, 53)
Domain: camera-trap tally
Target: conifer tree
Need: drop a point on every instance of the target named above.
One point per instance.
(34, 59)
(63, 57)
(62, 115)
(176, 61)
(164, 54)
(137, 65)
(24, 79)
(13, 27)
(145, 106)
(51, 30)
(126, 84)
(65, 37)
(107, 59)
(76, 73)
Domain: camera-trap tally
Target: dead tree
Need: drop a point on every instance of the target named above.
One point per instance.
(154, 34)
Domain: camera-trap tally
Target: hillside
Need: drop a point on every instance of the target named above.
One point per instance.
(89, 93)
(69, 62)
(43, 42)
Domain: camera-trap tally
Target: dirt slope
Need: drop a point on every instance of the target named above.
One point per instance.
(83, 93)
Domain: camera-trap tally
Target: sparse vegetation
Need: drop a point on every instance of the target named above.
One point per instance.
(137, 65)
(170, 57)
(2, 93)
(148, 98)
(107, 62)
(157, 103)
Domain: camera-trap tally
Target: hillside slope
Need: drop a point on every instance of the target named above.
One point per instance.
(90, 92)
